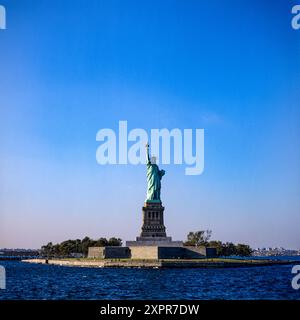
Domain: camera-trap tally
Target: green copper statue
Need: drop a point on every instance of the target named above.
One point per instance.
(154, 176)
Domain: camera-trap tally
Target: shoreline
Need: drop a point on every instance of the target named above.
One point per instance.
(160, 263)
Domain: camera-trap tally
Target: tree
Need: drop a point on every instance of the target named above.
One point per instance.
(198, 238)
(117, 242)
(102, 242)
(55, 252)
(202, 237)
(69, 247)
(78, 248)
(229, 249)
(66, 248)
(47, 249)
(218, 245)
(86, 243)
(243, 250)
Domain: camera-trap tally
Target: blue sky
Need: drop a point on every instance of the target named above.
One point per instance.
(70, 68)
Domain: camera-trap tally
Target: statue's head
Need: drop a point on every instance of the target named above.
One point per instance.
(153, 160)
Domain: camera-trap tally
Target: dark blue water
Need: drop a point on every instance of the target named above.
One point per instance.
(33, 281)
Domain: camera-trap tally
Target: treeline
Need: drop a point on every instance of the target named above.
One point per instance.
(201, 238)
(231, 249)
(76, 247)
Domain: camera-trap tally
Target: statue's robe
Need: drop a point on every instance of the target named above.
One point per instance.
(154, 176)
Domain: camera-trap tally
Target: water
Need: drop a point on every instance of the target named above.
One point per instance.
(33, 281)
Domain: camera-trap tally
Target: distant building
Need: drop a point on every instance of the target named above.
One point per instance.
(263, 252)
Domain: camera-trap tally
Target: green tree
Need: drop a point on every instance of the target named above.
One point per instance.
(102, 242)
(117, 242)
(78, 248)
(55, 252)
(86, 243)
(218, 245)
(198, 238)
(243, 250)
(46, 250)
(68, 247)
(229, 249)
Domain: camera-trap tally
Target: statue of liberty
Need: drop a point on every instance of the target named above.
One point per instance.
(154, 176)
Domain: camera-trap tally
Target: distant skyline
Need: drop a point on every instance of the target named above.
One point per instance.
(71, 68)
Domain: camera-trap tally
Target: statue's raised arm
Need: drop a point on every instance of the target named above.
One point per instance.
(147, 151)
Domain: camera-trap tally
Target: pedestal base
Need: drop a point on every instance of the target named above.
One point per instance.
(153, 228)
(158, 242)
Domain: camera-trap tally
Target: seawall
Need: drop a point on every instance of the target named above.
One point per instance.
(171, 263)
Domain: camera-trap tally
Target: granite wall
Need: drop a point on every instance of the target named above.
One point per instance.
(151, 252)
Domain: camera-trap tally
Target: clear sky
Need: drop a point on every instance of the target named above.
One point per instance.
(70, 68)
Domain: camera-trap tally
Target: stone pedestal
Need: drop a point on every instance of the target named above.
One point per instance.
(153, 228)
(153, 221)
